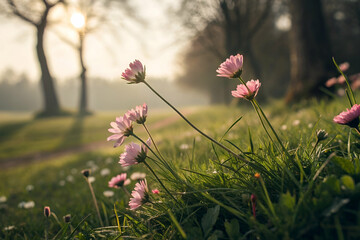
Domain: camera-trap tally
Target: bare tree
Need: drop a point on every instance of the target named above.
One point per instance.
(96, 15)
(36, 13)
(238, 21)
(310, 50)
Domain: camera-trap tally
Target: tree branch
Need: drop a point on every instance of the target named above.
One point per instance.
(16, 12)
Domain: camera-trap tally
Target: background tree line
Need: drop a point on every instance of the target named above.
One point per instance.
(293, 63)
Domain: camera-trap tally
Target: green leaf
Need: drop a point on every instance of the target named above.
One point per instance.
(331, 184)
(232, 229)
(209, 219)
(348, 182)
(232, 125)
(286, 200)
(217, 234)
(345, 164)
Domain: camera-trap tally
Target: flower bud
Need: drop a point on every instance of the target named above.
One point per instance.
(67, 218)
(86, 172)
(257, 175)
(321, 134)
(47, 211)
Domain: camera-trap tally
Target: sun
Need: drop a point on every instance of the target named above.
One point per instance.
(77, 20)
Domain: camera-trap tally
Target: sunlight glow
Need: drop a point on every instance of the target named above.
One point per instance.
(77, 20)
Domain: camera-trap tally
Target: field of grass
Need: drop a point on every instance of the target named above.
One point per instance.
(58, 182)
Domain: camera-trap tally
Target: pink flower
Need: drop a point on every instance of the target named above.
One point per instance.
(140, 195)
(119, 181)
(331, 82)
(249, 91)
(155, 191)
(122, 128)
(349, 117)
(138, 114)
(134, 154)
(135, 73)
(344, 66)
(232, 67)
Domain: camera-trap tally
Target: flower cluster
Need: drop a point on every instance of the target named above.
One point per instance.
(232, 68)
(134, 153)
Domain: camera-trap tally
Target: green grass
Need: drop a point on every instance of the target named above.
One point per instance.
(20, 135)
(187, 152)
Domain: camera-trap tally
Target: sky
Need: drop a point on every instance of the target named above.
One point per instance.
(106, 55)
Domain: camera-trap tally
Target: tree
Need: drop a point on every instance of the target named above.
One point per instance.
(232, 23)
(36, 13)
(310, 50)
(87, 17)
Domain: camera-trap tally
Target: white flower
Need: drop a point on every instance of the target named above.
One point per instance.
(74, 171)
(9, 228)
(108, 193)
(29, 188)
(3, 199)
(310, 125)
(184, 146)
(90, 163)
(283, 127)
(26, 205)
(29, 204)
(296, 122)
(21, 204)
(62, 183)
(91, 179)
(137, 176)
(105, 172)
(70, 178)
(109, 160)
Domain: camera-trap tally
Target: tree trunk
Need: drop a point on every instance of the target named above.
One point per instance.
(51, 104)
(83, 105)
(310, 52)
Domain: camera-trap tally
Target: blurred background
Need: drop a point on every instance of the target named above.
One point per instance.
(69, 54)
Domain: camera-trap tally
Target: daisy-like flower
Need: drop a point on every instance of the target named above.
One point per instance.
(140, 195)
(134, 154)
(247, 92)
(119, 181)
(232, 67)
(135, 73)
(121, 128)
(349, 117)
(138, 114)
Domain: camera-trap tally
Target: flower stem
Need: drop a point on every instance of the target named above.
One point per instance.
(126, 191)
(163, 161)
(317, 142)
(152, 140)
(158, 179)
(46, 228)
(194, 127)
(95, 202)
(271, 207)
(271, 127)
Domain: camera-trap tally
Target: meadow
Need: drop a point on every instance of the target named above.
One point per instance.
(212, 198)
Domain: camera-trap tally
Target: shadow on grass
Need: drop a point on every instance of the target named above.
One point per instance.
(74, 136)
(8, 130)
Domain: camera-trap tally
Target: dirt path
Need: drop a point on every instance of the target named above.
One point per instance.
(46, 156)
